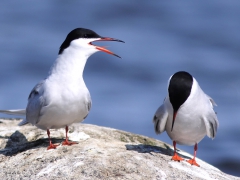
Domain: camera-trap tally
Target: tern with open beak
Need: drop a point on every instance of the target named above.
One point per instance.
(63, 98)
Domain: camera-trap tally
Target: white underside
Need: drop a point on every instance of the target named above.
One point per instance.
(195, 118)
(64, 109)
(189, 127)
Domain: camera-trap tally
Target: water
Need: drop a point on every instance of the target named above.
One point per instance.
(161, 38)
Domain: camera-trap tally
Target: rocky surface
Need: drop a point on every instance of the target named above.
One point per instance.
(101, 153)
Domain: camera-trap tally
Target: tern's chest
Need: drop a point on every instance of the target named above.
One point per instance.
(66, 92)
(186, 131)
(189, 127)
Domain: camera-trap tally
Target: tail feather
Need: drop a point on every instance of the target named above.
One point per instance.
(21, 112)
(23, 122)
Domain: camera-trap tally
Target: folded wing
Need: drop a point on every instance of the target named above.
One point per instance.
(160, 119)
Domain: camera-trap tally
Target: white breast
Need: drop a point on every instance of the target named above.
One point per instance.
(65, 105)
(189, 127)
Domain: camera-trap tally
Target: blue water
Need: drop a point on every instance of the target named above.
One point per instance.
(161, 38)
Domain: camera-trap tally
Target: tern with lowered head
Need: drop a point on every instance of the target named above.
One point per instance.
(186, 114)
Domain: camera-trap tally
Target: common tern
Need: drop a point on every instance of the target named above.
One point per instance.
(63, 98)
(186, 114)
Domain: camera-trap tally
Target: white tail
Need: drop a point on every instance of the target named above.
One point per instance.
(21, 112)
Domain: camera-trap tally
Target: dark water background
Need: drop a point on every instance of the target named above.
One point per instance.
(201, 37)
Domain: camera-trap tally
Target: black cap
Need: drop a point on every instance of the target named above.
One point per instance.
(76, 34)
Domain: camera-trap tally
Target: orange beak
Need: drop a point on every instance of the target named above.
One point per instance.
(104, 49)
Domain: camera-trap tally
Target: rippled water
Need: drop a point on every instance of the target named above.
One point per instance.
(161, 38)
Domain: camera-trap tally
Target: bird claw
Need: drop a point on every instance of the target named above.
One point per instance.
(68, 143)
(52, 146)
(177, 158)
(193, 162)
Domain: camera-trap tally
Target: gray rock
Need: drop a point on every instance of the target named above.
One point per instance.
(101, 153)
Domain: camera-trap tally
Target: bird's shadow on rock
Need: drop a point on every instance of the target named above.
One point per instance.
(17, 143)
(143, 148)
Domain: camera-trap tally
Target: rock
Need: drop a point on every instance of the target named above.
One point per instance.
(101, 153)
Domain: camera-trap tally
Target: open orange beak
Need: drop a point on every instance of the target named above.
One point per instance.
(104, 49)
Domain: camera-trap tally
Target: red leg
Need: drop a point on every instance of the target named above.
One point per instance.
(51, 146)
(193, 161)
(66, 142)
(175, 156)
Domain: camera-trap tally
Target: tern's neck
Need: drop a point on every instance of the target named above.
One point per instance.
(70, 64)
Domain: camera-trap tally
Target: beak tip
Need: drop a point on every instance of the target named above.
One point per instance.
(117, 56)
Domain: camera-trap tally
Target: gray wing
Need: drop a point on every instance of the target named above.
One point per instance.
(35, 103)
(160, 119)
(211, 121)
(212, 101)
(89, 104)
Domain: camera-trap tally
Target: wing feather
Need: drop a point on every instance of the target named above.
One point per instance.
(35, 103)
(211, 121)
(160, 119)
